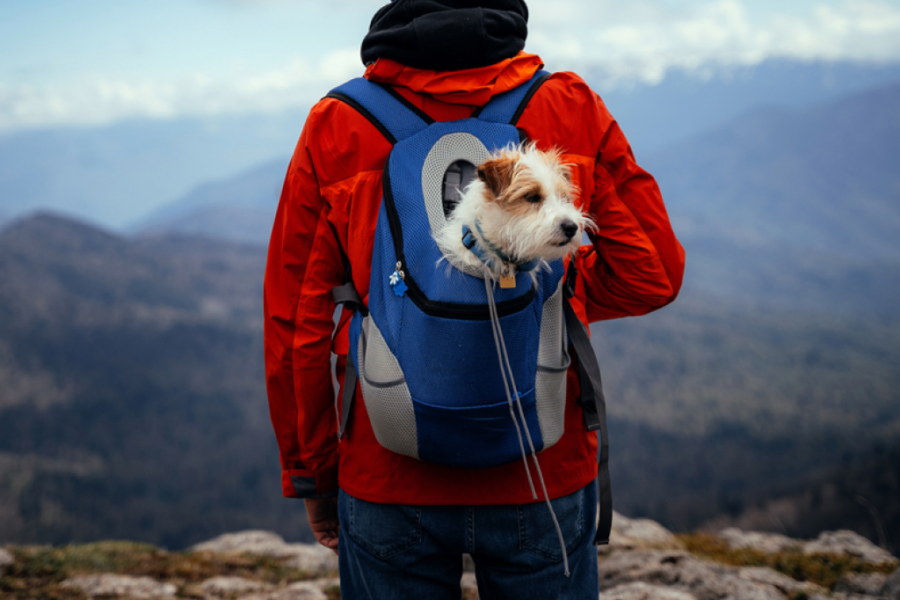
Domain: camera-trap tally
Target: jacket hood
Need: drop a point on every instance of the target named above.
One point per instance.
(447, 35)
(473, 87)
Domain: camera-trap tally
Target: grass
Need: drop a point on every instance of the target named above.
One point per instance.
(822, 569)
(38, 571)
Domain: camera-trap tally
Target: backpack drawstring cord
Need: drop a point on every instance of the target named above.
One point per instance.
(506, 371)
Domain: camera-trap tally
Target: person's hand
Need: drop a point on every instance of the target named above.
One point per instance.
(322, 514)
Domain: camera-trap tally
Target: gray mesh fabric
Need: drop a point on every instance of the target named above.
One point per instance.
(449, 149)
(386, 394)
(553, 361)
(552, 350)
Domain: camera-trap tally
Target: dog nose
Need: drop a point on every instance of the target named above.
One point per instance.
(569, 228)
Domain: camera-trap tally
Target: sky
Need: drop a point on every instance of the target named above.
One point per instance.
(85, 62)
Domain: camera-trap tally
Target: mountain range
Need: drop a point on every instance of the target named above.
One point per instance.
(133, 396)
(117, 174)
(794, 207)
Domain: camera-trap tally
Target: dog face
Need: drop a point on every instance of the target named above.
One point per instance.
(527, 207)
(521, 202)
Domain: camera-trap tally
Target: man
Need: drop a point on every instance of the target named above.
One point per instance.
(400, 524)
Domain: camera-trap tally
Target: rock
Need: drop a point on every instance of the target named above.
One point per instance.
(229, 587)
(120, 585)
(675, 569)
(891, 589)
(6, 559)
(866, 584)
(782, 583)
(305, 590)
(640, 533)
(768, 543)
(848, 542)
(312, 558)
(263, 543)
(642, 591)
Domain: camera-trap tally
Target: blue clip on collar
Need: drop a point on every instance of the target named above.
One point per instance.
(471, 242)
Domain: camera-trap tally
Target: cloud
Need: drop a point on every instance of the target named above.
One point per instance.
(94, 100)
(623, 42)
(640, 42)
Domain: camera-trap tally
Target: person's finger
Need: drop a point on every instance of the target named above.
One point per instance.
(328, 538)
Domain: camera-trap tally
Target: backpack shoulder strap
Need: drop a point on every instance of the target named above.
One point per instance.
(394, 116)
(508, 107)
(593, 403)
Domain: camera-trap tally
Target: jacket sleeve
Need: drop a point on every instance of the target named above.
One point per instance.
(303, 266)
(635, 264)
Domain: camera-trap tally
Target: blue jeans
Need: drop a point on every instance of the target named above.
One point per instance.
(394, 552)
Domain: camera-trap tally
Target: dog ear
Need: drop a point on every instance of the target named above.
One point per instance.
(497, 174)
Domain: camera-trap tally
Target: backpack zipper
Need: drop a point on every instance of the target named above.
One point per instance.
(435, 308)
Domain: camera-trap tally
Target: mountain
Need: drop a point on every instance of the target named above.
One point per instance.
(116, 174)
(240, 208)
(686, 103)
(132, 394)
(822, 178)
(794, 208)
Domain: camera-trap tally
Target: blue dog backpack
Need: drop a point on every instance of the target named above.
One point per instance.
(424, 350)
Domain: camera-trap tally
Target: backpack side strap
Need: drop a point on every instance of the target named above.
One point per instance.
(347, 394)
(392, 114)
(592, 402)
(508, 107)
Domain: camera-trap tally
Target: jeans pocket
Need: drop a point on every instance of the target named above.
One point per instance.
(384, 530)
(537, 534)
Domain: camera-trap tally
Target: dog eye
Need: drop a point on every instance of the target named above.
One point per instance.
(533, 198)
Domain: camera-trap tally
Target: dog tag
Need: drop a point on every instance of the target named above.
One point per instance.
(507, 282)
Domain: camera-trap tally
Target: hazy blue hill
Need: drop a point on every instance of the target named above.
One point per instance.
(240, 208)
(821, 179)
(685, 104)
(117, 173)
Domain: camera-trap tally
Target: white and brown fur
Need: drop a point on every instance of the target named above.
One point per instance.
(523, 200)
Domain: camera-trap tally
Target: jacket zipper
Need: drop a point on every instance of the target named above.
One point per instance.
(434, 308)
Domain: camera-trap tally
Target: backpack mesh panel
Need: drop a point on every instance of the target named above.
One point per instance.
(456, 361)
(390, 408)
(550, 386)
(448, 149)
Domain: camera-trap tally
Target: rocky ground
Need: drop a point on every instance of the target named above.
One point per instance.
(643, 562)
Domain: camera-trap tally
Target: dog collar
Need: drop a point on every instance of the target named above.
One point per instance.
(471, 242)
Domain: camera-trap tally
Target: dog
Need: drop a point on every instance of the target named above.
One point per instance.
(517, 214)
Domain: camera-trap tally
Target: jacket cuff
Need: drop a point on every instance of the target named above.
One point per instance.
(305, 483)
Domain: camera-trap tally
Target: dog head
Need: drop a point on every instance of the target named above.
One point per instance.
(526, 204)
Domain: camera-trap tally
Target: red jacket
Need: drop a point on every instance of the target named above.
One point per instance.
(331, 199)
